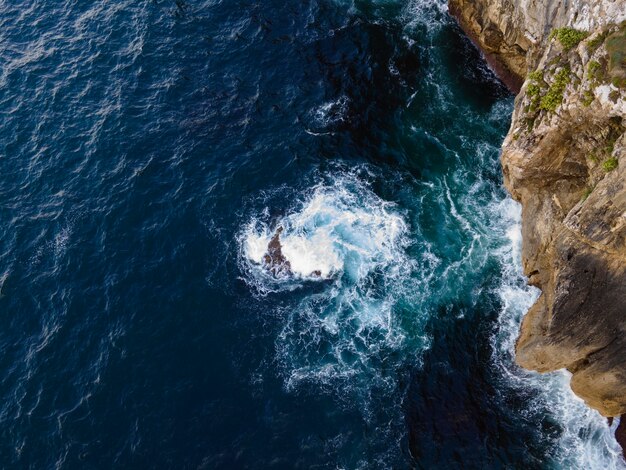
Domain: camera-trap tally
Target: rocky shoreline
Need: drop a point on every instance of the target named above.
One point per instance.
(564, 160)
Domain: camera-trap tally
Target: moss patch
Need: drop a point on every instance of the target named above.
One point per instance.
(536, 76)
(596, 42)
(614, 96)
(593, 68)
(534, 93)
(588, 98)
(610, 164)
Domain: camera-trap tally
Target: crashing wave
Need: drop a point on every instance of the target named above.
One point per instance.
(341, 231)
(350, 247)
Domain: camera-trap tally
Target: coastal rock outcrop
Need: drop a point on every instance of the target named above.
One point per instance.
(274, 260)
(564, 159)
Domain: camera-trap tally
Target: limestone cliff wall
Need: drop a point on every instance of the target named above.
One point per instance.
(564, 159)
(513, 33)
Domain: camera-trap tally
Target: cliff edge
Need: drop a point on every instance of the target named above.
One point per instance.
(564, 159)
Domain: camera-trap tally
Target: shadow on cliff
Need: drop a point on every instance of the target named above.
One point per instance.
(469, 72)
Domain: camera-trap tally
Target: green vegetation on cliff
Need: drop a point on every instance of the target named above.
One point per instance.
(610, 164)
(568, 37)
(554, 97)
(596, 42)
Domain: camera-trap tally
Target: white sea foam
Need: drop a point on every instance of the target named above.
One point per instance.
(332, 112)
(341, 230)
(336, 335)
(340, 336)
(585, 442)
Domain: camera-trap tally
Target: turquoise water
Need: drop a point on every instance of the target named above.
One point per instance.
(150, 150)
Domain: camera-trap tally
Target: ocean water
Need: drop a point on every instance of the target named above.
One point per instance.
(149, 152)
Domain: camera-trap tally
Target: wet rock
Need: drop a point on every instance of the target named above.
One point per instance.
(620, 434)
(274, 259)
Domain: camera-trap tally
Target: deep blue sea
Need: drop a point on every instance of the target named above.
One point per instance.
(149, 151)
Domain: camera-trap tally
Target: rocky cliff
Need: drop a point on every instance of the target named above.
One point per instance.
(564, 159)
(513, 33)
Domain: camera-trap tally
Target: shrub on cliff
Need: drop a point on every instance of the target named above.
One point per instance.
(568, 37)
(554, 97)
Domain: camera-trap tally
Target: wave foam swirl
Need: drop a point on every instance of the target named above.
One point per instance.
(357, 241)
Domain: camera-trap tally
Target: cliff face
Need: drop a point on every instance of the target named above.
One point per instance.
(564, 159)
(513, 33)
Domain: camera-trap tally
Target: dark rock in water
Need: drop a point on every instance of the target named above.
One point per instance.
(276, 262)
(620, 434)
(274, 259)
